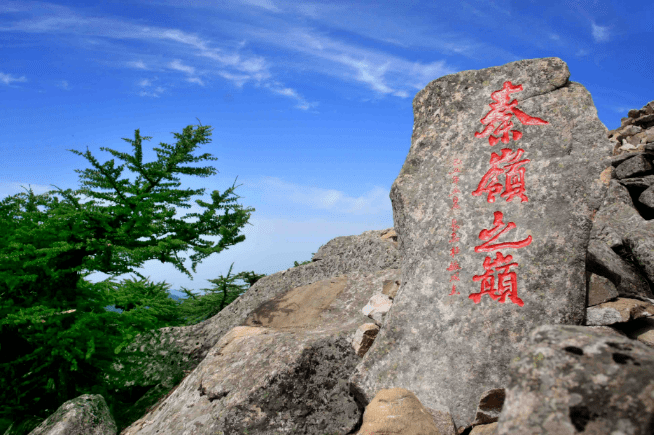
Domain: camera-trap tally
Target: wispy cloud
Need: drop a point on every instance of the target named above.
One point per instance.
(63, 85)
(265, 4)
(600, 33)
(374, 201)
(7, 79)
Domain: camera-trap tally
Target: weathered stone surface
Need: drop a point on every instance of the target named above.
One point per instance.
(484, 429)
(620, 310)
(640, 242)
(85, 415)
(390, 288)
(490, 406)
(351, 255)
(398, 411)
(574, 379)
(633, 167)
(647, 198)
(364, 337)
(600, 290)
(260, 381)
(638, 183)
(377, 307)
(444, 346)
(603, 261)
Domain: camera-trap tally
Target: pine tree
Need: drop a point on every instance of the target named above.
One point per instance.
(56, 339)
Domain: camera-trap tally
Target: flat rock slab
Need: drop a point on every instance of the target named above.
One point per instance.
(574, 379)
(493, 211)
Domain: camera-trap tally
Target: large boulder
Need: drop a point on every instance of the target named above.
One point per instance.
(285, 362)
(574, 379)
(159, 358)
(493, 208)
(85, 415)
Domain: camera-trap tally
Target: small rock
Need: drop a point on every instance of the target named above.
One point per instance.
(364, 337)
(397, 411)
(484, 429)
(626, 121)
(603, 261)
(600, 290)
(377, 308)
(633, 113)
(647, 198)
(618, 311)
(390, 288)
(641, 244)
(633, 167)
(641, 330)
(643, 120)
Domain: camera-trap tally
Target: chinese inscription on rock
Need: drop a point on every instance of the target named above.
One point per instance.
(498, 280)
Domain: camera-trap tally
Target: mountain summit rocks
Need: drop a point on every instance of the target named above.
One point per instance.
(493, 209)
(512, 296)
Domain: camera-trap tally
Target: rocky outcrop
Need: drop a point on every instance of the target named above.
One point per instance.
(571, 380)
(85, 415)
(493, 208)
(454, 321)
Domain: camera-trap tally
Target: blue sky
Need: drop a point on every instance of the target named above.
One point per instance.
(310, 102)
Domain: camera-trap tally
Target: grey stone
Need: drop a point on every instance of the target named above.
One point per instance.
(354, 255)
(633, 113)
(645, 120)
(259, 380)
(647, 198)
(626, 121)
(596, 316)
(616, 160)
(390, 288)
(603, 261)
(638, 183)
(377, 307)
(574, 379)
(633, 167)
(85, 415)
(444, 345)
(600, 290)
(641, 245)
(615, 218)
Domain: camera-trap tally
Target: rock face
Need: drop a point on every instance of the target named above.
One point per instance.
(574, 380)
(87, 414)
(493, 209)
(283, 364)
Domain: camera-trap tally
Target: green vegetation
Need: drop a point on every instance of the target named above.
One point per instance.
(57, 341)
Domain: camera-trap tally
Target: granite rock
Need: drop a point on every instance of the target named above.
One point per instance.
(87, 414)
(573, 379)
(478, 179)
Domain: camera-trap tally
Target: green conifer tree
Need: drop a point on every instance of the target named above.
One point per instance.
(56, 339)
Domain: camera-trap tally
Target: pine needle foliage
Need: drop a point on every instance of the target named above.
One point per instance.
(57, 341)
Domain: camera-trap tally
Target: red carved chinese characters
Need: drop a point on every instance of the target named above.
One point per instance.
(501, 113)
(514, 177)
(498, 280)
(454, 238)
(493, 234)
(505, 285)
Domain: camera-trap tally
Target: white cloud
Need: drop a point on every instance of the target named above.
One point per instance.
(372, 202)
(600, 33)
(7, 79)
(555, 37)
(157, 91)
(265, 4)
(137, 64)
(178, 66)
(63, 85)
